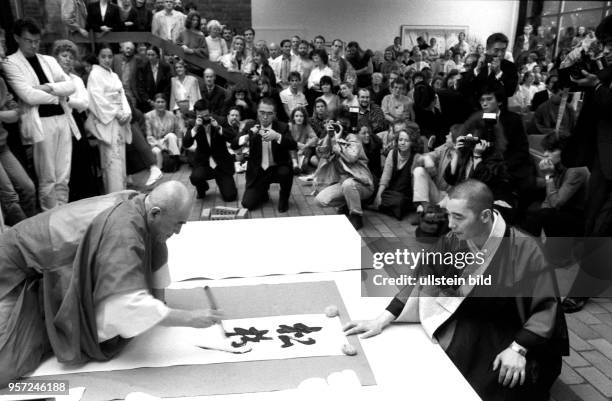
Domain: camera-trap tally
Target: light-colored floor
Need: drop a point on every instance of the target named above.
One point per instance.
(587, 371)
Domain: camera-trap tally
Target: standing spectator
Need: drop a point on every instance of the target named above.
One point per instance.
(261, 68)
(320, 69)
(396, 106)
(305, 64)
(153, 77)
(377, 89)
(524, 44)
(127, 15)
(192, 40)
(284, 64)
(216, 45)
(168, 23)
(212, 159)
(125, 66)
(227, 34)
(433, 53)
(293, 97)
(144, 17)
(462, 47)
(213, 93)
(249, 41)
(74, 16)
(103, 16)
(162, 132)
(274, 51)
(17, 191)
(338, 64)
(361, 61)
(331, 100)
(237, 60)
(84, 167)
(493, 69)
(42, 87)
(184, 88)
(109, 116)
(295, 44)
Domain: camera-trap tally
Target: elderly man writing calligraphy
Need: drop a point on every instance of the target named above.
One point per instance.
(77, 280)
(506, 338)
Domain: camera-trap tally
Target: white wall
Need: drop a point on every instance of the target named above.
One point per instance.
(374, 23)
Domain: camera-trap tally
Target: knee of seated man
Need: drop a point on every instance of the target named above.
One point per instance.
(171, 137)
(322, 199)
(419, 172)
(349, 184)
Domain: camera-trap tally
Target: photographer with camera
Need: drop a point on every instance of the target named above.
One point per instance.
(493, 69)
(343, 172)
(591, 145)
(212, 159)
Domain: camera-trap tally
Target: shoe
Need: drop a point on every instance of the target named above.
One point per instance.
(343, 210)
(356, 220)
(154, 175)
(571, 304)
(283, 205)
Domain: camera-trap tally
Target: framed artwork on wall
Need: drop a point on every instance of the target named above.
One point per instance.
(446, 36)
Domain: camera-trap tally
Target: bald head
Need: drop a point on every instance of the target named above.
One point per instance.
(170, 196)
(477, 195)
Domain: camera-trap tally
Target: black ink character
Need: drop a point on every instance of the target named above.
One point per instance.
(250, 335)
(299, 329)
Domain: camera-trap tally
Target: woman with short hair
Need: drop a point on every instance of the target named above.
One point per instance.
(214, 42)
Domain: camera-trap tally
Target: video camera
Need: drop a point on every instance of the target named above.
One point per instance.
(592, 65)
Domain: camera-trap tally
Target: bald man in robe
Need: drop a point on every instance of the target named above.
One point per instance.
(506, 337)
(77, 281)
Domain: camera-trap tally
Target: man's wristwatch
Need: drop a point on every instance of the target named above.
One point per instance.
(518, 348)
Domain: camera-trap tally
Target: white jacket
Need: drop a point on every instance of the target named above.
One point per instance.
(22, 78)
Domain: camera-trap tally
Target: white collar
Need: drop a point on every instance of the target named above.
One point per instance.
(497, 233)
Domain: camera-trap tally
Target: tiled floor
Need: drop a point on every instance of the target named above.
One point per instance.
(587, 371)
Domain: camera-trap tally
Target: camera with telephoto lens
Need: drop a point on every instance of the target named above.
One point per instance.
(574, 72)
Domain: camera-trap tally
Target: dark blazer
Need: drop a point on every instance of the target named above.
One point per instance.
(217, 149)
(144, 17)
(280, 151)
(539, 98)
(95, 20)
(509, 79)
(148, 87)
(520, 165)
(133, 18)
(216, 99)
(518, 46)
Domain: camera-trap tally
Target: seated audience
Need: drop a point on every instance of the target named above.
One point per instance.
(212, 159)
(343, 175)
(348, 97)
(269, 144)
(266, 89)
(285, 64)
(261, 68)
(394, 196)
(372, 146)
(109, 116)
(305, 138)
(389, 64)
(543, 95)
(514, 355)
(74, 16)
(340, 67)
(163, 133)
(320, 69)
(396, 106)
(240, 97)
(191, 39)
(550, 119)
(320, 117)
(370, 114)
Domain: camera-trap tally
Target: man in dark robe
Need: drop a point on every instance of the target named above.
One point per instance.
(77, 280)
(506, 338)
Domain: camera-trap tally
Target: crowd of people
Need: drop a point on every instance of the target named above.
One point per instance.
(411, 131)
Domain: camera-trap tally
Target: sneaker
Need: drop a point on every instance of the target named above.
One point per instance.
(154, 175)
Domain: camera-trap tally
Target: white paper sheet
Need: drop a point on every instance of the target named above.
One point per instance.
(227, 248)
(170, 346)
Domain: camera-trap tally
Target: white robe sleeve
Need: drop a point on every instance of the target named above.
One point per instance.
(128, 315)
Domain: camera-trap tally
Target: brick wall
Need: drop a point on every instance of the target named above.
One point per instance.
(235, 13)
